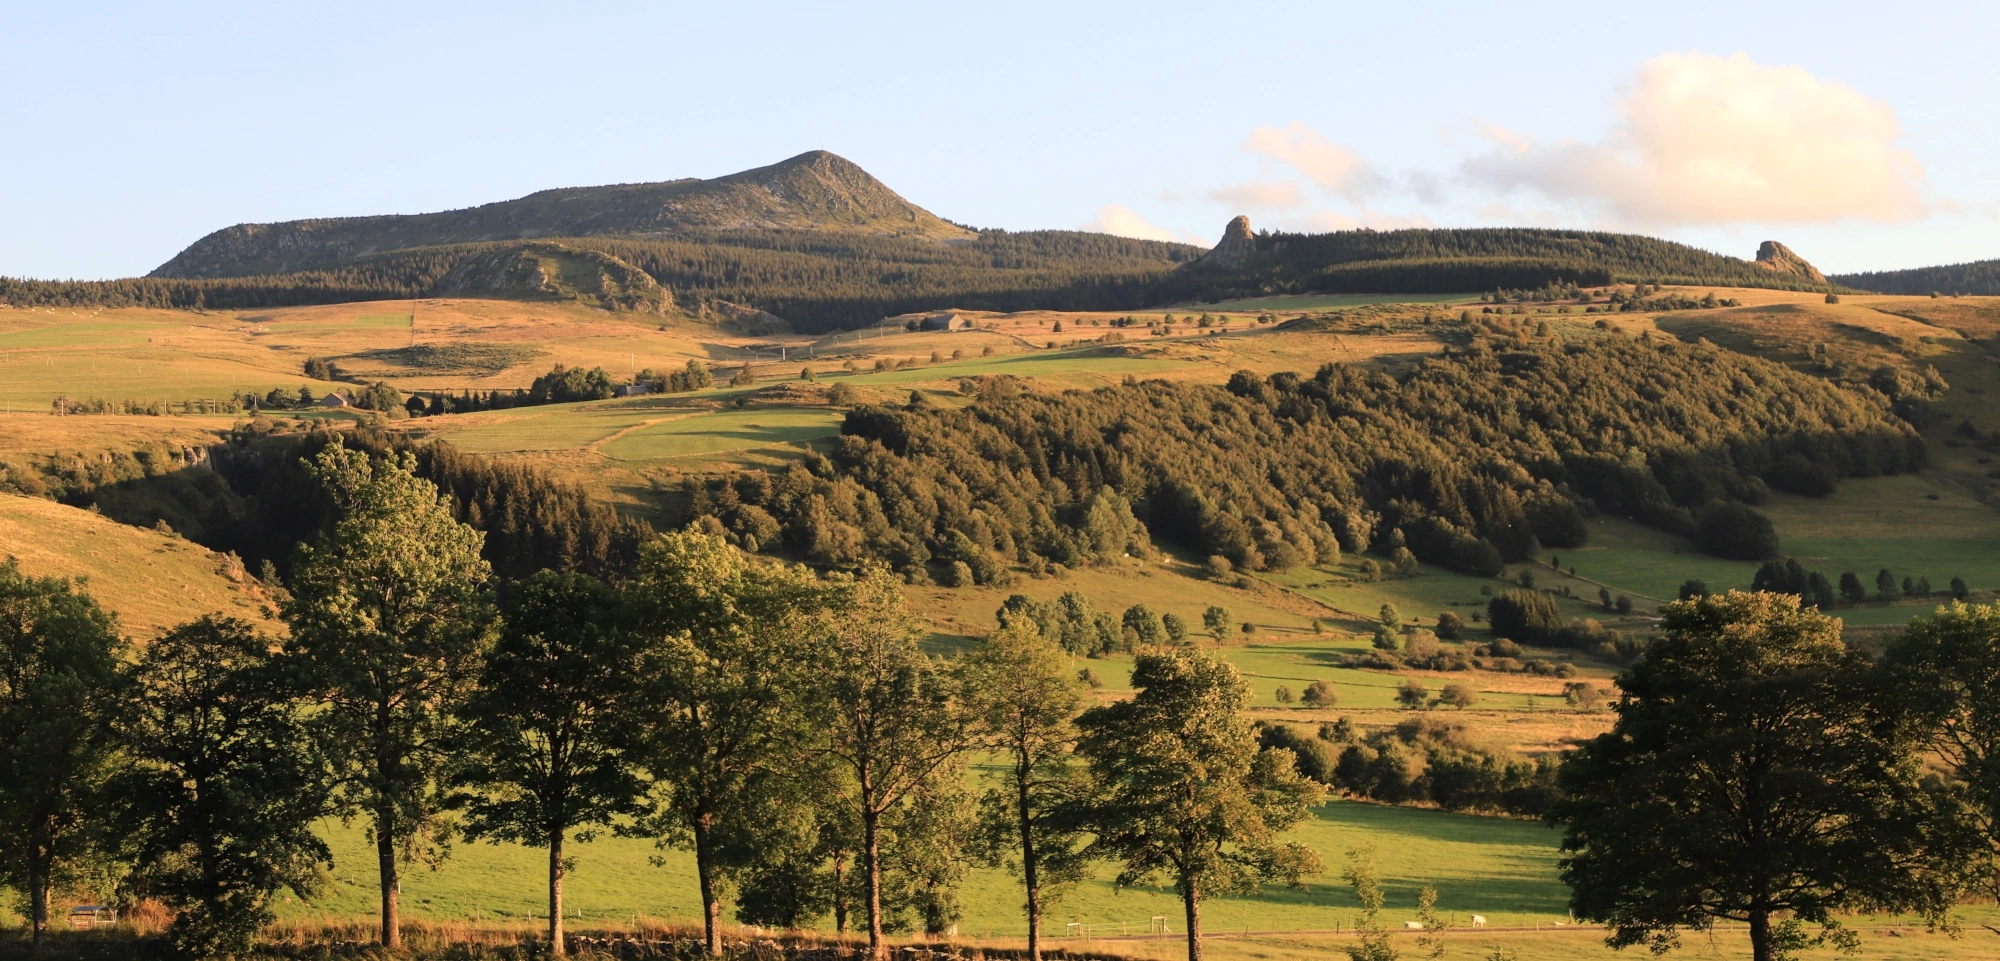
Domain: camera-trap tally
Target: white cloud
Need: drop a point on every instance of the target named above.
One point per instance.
(1260, 195)
(1123, 221)
(1713, 140)
(1328, 164)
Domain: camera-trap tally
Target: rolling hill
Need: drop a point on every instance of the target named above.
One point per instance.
(812, 191)
(152, 580)
(1247, 264)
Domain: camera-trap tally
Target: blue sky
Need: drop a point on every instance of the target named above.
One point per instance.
(1863, 136)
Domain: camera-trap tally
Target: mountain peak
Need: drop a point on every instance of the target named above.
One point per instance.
(815, 190)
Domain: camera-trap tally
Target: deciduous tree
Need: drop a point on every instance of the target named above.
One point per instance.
(390, 617)
(59, 688)
(224, 786)
(1752, 775)
(723, 640)
(883, 712)
(549, 730)
(1180, 786)
(1025, 698)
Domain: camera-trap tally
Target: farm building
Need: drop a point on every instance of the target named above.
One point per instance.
(635, 390)
(334, 402)
(946, 321)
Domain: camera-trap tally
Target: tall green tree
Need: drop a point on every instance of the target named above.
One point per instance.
(1753, 774)
(224, 786)
(59, 689)
(722, 641)
(1025, 698)
(883, 712)
(548, 731)
(1179, 785)
(390, 616)
(1947, 670)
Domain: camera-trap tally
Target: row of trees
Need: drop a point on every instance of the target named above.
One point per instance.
(785, 727)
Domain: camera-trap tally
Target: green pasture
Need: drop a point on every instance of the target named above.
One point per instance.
(547, 427)
(1060, 364)
(1331, 302)
(1501, 868)
(722, 431)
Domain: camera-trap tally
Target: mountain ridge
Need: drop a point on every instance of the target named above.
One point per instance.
(814, 190)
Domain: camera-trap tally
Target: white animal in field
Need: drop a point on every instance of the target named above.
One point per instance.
(1479, 919)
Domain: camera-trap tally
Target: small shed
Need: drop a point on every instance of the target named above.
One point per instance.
(950, 320)
(334, 402)
(635, 390)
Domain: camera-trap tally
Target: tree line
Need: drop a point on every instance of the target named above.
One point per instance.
(784, 726)
(1468, 461)
(1977, 278)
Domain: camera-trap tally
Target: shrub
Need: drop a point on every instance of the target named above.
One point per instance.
(1458, 695)
(1219, 567)
(1319, 694)
(1283, 695)
(1413, 695)
(1450, 627)
(1733, 530)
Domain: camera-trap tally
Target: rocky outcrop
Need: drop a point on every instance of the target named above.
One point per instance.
(1779, 259)
(1236, 247)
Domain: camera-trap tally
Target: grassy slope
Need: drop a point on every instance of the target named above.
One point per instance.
(150, 580)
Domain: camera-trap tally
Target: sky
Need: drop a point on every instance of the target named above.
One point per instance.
(1862, 136)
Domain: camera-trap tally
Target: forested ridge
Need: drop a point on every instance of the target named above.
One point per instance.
(1980, 277)
(1462, 259)
(1471, 459)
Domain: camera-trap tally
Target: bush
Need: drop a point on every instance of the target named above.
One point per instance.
(1219, 567)
(1413, 695)
(1319, 694)
(1529, 617)
(1450, 627)
(1458, 695)
(1312, 755)
(1474, 557)
(1735, 531)
(1283, 695)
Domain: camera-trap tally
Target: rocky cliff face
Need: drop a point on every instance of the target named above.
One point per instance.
(1778, 258)
(812, 191)
(1237, 245)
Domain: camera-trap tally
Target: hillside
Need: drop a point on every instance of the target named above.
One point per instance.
(819, 280)
(151, 580)
(1981, 277)
(812, 191)
(1247, 264)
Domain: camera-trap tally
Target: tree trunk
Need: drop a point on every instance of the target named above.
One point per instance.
(1030, 876)
(556, 945)
(840, 893)
(1760, 935)
(704, 869)
(871, 862)
(38, 893)
(385, 859)
(1191, 898)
